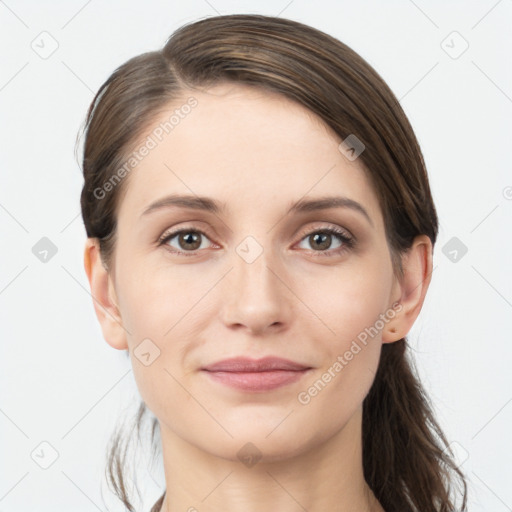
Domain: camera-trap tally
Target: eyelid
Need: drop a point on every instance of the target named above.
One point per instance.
(325, 226)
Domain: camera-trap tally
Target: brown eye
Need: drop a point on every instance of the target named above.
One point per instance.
(321, 242)
(187, 240)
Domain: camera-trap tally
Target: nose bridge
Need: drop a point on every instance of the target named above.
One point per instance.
(257, 296)
(253, 264)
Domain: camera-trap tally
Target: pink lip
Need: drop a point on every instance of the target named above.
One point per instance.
(256, 374)
(245, 364)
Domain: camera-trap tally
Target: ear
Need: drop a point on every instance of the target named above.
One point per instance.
(104, 297)
(410, 290)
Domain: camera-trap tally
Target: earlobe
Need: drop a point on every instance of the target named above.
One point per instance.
(412, 288)
(104, 297)
(391, 332)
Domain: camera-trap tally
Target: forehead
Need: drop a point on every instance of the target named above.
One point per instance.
(245, 146)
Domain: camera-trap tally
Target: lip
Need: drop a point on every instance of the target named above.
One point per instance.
(256, 375)
(245, 364)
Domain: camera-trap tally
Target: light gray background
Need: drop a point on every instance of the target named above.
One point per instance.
(63, 385)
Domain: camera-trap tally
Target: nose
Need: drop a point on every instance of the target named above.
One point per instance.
(256, 296)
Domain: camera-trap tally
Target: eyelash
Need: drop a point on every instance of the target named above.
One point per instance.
(348, 242)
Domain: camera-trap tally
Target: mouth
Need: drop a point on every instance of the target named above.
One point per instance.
(256, 375)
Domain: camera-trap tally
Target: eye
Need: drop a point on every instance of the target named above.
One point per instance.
(189, 240)
(322, 239)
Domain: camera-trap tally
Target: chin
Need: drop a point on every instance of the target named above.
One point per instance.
(253, 445)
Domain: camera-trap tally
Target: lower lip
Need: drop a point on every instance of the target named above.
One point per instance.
(257, 381)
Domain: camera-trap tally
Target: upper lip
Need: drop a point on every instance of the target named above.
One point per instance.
(245, 364)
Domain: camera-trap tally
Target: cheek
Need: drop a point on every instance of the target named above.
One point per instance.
(350, 355)
(351, 303)
(157, 345)
(147, 316)
(157, 299)
(161, 309)
(349, 300)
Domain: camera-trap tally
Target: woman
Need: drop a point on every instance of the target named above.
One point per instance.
(260, 234)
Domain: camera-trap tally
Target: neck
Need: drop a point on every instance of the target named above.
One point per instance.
(325, 477)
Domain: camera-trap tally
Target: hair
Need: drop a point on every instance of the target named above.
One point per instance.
(407, 461)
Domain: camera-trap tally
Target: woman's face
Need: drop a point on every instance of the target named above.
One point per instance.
(254, 278)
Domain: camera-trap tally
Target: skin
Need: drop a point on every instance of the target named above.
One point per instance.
(257, 152)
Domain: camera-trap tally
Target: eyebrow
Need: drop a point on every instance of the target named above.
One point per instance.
(302, 206)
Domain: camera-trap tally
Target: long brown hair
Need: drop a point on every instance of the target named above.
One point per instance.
(406, 458)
